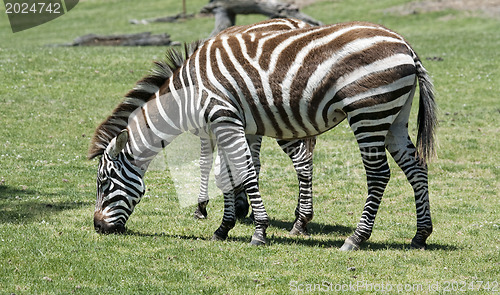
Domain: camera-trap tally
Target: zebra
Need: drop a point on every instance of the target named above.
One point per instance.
(299, 151)
(289, 85)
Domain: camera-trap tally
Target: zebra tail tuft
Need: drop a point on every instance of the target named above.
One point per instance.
(427, 115)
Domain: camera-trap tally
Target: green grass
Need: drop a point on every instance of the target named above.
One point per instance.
(52, 98)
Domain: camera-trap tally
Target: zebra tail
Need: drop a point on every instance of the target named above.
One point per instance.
(427, 115)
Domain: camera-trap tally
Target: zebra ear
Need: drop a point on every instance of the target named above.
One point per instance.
(118, 144)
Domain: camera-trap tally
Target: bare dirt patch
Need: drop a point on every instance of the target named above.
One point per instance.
(489, 8)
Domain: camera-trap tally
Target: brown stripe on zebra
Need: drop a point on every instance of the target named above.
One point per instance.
(251, 41)
(287, 58)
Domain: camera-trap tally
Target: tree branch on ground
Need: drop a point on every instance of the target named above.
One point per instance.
(225, 11)
(140, 39)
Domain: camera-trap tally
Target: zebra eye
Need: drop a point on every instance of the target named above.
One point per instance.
(103, 178)
(104, 183)
(118, 167)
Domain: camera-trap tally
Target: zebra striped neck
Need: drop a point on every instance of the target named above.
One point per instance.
(144, 91)
(152, 127)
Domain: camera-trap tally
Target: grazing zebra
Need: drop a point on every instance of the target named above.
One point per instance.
(289, 85)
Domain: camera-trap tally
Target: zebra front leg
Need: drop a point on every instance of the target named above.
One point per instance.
(206, 159)
(228, 219)
(201, 210)
(226, 183)
(260, 216)
(241, 206)
(241, 200)
(236, 153)
(377, 177)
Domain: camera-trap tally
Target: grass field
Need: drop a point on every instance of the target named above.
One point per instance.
(52, 98)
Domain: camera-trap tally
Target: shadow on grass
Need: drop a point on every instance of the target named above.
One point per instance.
(378, 246)
(290, 240)
(338, 241)
(336, 238)
(22, 205)
(313, 228)
(335, 242)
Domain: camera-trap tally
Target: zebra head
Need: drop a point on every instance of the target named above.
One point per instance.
(119, 187)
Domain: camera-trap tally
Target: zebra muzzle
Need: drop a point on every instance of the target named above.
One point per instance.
(103, 227)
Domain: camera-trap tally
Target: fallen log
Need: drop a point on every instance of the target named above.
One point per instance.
(139, 39)
(165, 19)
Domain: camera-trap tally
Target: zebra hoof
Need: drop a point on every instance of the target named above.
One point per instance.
(417, 245)
(299, 228)
(199, 215)
(258, 240)
(299, 231)
(418, 241)
(349, 245)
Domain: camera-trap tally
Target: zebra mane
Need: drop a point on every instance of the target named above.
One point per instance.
(143, 91)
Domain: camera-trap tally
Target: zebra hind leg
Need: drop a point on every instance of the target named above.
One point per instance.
(377, 176)
(404, 153)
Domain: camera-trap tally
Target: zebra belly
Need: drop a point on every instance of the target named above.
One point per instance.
(334, 117)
